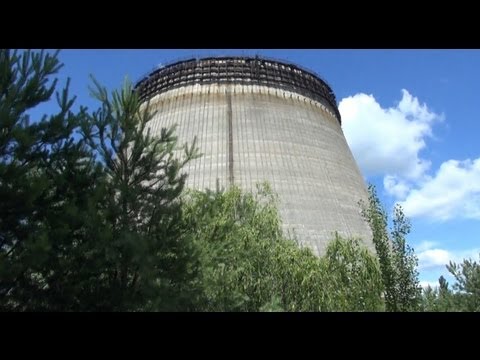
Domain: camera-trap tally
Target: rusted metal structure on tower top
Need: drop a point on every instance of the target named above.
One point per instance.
(238, 70)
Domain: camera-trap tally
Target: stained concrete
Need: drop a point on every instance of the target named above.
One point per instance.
(249, 134)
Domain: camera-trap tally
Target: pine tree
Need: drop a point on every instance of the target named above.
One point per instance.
(467, 285)
(47, 187)
(149, 258)
(89, 222)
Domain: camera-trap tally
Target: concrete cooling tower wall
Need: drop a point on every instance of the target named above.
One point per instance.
(257, 120)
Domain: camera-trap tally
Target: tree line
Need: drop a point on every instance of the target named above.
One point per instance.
(95, 216)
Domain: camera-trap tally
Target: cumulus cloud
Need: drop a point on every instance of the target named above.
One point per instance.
(396, 186)
(425, 245)
(454, 192)
(388, 141)
(433, 258)
(430, 256)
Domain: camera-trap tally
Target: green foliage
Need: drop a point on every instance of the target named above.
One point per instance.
(354, 275)
(465, 292)
(146, 266)
(407, 290)
(247, 265)
(47, 187)
(376, 216)
(398, 262)
(89, 223)
(439, 299)
(235, 235)
(429, 299)
(467, 285)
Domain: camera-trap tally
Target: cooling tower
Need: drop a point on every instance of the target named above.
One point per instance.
(257, 119)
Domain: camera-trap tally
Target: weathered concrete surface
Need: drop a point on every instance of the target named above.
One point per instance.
(249, 134)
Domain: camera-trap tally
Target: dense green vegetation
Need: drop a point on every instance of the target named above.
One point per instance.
(464, 295)
(94, 217)
(397, 260)
(90, 217)
(246, 264)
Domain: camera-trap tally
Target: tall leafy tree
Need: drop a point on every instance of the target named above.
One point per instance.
(407, 288)
(375, 215)
(398, 262)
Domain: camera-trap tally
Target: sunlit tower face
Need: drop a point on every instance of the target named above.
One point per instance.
(261, 120)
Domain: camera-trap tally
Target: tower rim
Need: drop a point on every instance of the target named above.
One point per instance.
(242, 70)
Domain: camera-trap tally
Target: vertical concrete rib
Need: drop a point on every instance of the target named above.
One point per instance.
(230, 135)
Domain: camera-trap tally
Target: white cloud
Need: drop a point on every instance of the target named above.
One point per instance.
(454, 192)
(425, 245)
(387, 141)
(395, 186)
(433, 258)
(430, 257)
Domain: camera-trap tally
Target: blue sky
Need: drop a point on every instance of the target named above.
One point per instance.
(410, 117)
